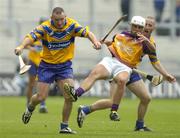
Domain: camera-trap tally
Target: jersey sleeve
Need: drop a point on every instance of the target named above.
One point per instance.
(153, 57)
(36, 34)
(152, 54)
(146, 49)
(81, 31)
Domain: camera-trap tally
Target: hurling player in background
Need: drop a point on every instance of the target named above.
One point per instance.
(34, 57)
(135, 83)
(150, 26)
(58, 37)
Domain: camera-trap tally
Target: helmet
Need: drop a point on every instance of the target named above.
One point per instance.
(138, 20)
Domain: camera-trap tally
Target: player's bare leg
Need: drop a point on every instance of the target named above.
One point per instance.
(67, 108)
(139, 89)
(120, 80)
(98, 73)
(30, 87)
(43, 89)
(101, 104)
(104, 103)
(84, 110)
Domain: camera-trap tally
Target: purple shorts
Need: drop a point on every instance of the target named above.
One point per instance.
(133, 78)
(33, 70)
(52, 72)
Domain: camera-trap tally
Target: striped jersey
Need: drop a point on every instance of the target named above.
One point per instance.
(129, 50)
(58, 44)
(152, 54)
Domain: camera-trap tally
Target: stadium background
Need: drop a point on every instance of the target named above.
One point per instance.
(18, 17)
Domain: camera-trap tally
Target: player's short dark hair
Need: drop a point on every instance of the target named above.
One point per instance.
(58, 9)
(150, 17)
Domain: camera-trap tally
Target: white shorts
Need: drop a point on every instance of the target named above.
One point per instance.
(114, 66)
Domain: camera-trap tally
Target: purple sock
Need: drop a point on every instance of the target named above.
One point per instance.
(79, 91)
(87, 109)
(139, 124)
(63, 125)
(114, 107)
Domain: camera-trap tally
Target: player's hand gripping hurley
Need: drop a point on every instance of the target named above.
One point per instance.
(23, 67)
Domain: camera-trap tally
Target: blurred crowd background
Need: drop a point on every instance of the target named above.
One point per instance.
(19, 17)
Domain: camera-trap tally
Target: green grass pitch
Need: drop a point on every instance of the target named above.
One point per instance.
(163, 117)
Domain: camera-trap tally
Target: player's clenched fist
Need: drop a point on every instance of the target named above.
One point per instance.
(18, 50)
(97, 45)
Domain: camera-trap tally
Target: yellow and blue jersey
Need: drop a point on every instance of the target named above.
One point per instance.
(58, 44)
(128, 49)
(35, 56)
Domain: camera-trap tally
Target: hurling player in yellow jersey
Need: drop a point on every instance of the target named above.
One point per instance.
(34, 57)
(135, 83)
(58, 37)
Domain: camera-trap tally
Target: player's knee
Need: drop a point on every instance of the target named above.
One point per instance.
(121, 81)
(41, 97)
(146, 99)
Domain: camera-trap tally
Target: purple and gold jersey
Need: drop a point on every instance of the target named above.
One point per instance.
(35, 56)
(152, 55)
(58, 44)
(129, 50)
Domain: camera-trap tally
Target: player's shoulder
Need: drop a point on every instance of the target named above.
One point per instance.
(123, 34)
(46, 23)
(152, 40)
(70, 20)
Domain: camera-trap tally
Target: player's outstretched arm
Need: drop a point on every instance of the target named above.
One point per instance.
(26, 42)
(93, 39)
(160, 68)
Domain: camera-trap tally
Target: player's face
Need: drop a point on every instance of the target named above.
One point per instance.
(150, 26)
(136, 28)
(58, 19)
